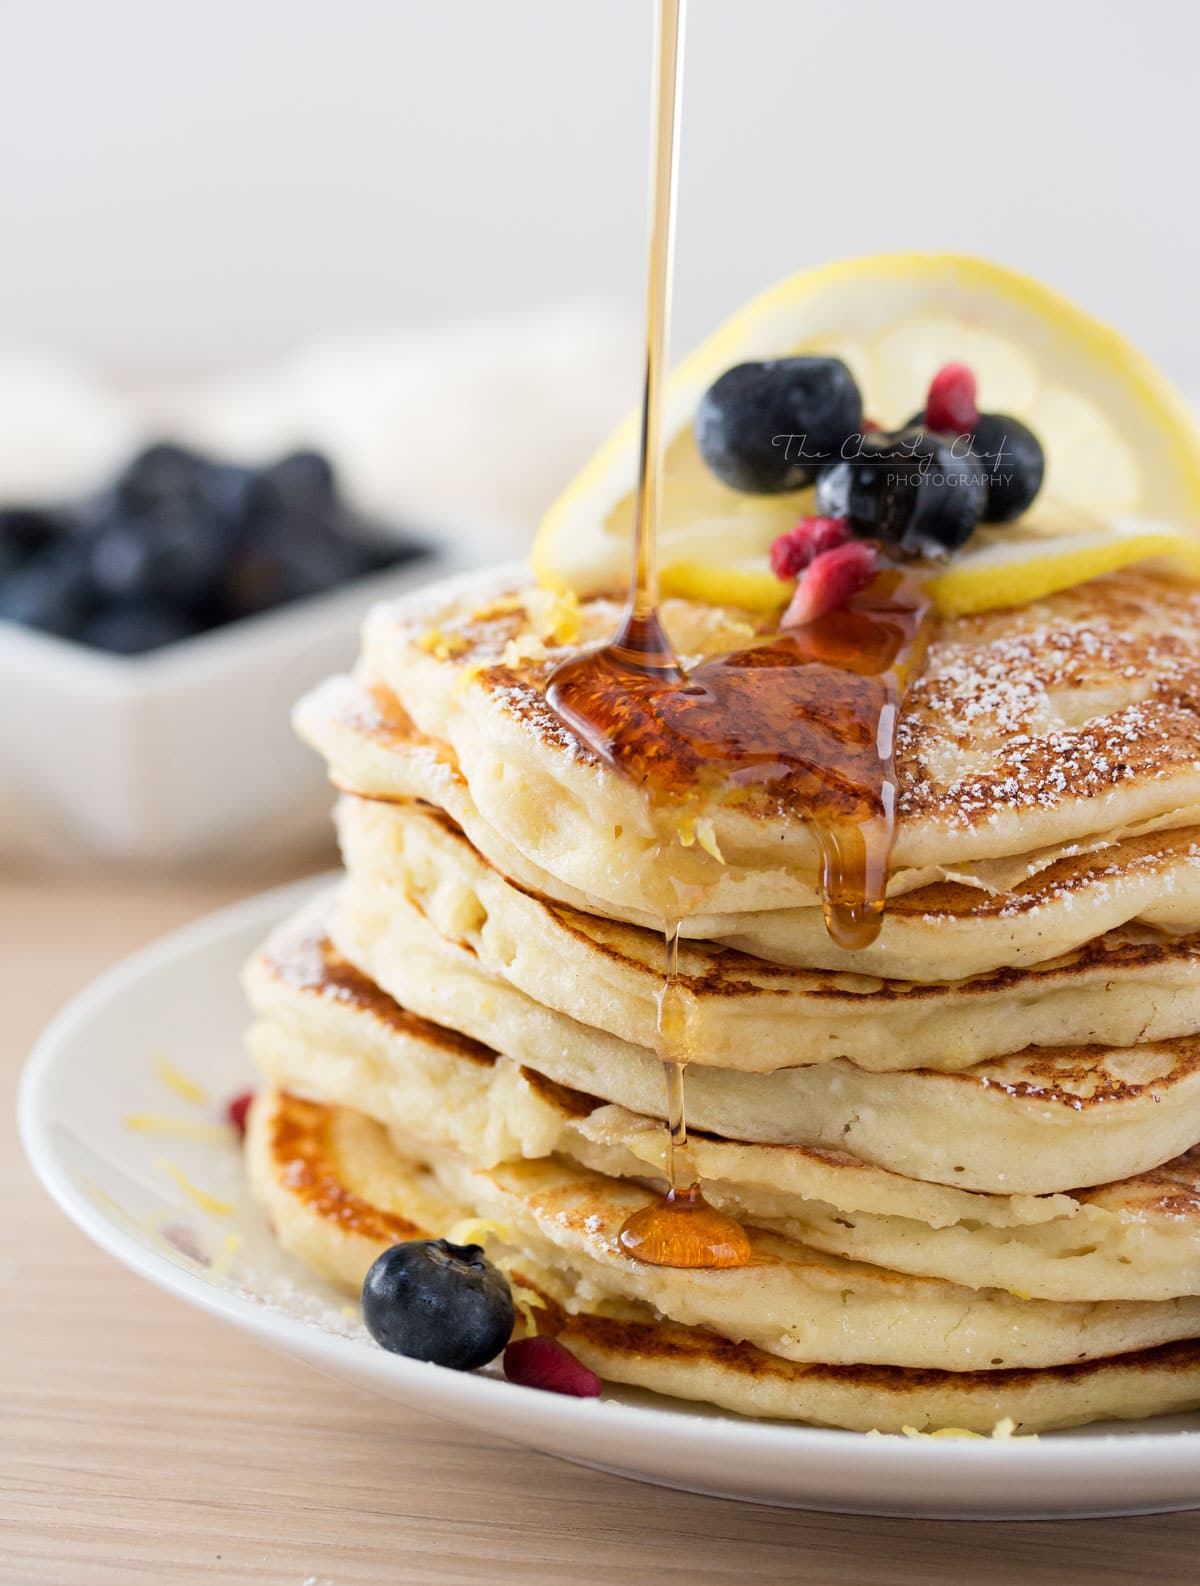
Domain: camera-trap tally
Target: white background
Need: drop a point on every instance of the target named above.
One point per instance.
(183, 185)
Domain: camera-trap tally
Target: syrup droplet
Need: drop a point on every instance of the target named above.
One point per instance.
(682, 1230)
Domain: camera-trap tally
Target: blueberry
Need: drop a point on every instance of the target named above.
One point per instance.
(163, 472)
(51, 591)
(302, 481)
(1012, 458)
(769, 427)
(379, 550)
(24, 531)
(175, 552)
(1015, 464)
(228, 491)
(922, 492)
(431, 1300)
(285, 560)
(875, 489)
(131, 627)
(93, 513)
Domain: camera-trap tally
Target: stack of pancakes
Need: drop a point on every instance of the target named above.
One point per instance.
(966, 1155)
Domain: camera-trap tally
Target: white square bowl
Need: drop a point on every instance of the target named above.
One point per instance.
(184, 754)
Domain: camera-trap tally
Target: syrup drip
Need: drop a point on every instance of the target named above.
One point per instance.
(802, 720)
(681, 1229)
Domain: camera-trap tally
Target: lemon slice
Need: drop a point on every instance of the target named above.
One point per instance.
(1012, 568)
(1119, 440)
(747, 582)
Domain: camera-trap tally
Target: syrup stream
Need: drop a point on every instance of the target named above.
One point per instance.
(655, 1234)
(641, 622)
(802, 720)
(682, 1229)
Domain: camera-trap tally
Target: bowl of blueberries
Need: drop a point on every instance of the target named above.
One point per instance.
(153, 636)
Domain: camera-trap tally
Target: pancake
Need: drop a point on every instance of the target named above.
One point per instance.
(1039, 1121)
(338, 1193)
(790, 1300)
(1153, 880)
(374, 749)
(1029, 729)
(326, 1032)
(749, 1014)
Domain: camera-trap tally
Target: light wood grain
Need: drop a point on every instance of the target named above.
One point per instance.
(143, 1443)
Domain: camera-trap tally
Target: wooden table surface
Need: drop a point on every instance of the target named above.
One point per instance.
(143, 1442)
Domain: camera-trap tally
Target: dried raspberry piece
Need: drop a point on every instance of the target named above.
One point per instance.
(830, 581)
(236, 1110)
(792, 552)
(545, 1363)
(950, 407)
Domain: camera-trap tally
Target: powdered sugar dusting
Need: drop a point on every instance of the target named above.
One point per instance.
(1070, 699)
(1075, 697)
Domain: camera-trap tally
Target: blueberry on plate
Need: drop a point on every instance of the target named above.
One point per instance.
(431, 1300)
(921, 492)
(1015, 464)
(51, 591)
(769, 427)
(131, 627)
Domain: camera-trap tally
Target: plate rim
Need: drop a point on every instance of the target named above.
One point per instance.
(433, 1385)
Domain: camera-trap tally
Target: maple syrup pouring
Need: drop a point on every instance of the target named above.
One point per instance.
(801, 721)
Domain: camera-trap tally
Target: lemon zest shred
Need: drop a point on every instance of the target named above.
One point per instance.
(1003, 1432)
(442, 646)
(502, 606)
(174, 1080)
(942, 1431)
(468, 675)
(1006, 1431)
(476, 1230)
(554, 616)
(528, 647)
(179, 1128)
(526, 1302)
(693, 829)
(706, 836)
(230, 1246)
(202, 1198)
(105, 1201)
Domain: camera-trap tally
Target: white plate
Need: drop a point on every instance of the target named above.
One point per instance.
(96, 1065)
